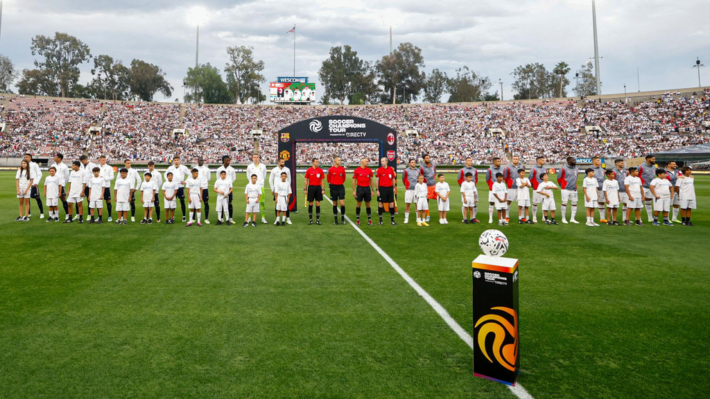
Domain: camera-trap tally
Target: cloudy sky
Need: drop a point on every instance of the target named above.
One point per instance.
(661, 38)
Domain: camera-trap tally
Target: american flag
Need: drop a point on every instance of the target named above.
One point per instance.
(292, 30)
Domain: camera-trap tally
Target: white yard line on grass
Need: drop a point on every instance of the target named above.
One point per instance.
(518, 389)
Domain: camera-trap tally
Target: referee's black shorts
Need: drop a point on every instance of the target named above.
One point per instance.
(337, 192)
(181, 192)
(386, 195)
(363, 194)
(315, 193)
(107, 193)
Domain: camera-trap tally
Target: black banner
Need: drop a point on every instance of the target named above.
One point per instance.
(495, 319)
(334, 129)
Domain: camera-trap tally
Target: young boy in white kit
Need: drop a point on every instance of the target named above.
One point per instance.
(590, 185)
(223, 187)
(500, 194)
(252, 194)
(610, 188)
(194, 193)
(548, 200)
(96, 196)
(420, 196)
(51, 192)
(469, 197)
(442, 198)
(148, 191)
(170, 188)
(524, 185)
(283, 192)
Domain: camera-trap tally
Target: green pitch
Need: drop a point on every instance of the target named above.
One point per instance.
(314, 311)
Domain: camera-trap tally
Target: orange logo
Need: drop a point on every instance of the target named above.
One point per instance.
(285, 155)
(498, 325)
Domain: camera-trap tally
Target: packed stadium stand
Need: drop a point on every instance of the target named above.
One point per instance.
(449, 132)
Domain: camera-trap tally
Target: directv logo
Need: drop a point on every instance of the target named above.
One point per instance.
(315, 126)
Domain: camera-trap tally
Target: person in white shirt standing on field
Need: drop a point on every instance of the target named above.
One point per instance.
(51, 192)
(662, 192)
(107, 175)
(194, 195)
(589, 185)
(523, 184)
(123, 190)
(469, 197)
(283, 191)
(135, 177)
(634, 193)
(63, 173)
(258, 169)
(180, 175)
(274, 178)
(76, 192)
(232, 177)
(442, 192)
(612, 198)
(34, 191)
(87, 170)
(23, 182)
(686, 190)
(223, 188)
(205, 175)
(157, 181)
(169, 188)
(96, 196)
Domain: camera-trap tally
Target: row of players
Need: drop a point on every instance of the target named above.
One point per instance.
(363, 186)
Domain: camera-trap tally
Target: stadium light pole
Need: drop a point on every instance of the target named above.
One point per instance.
(0, 17)
(698, 65)
(197, 16)
(624, 93)
(596, 48)
(501, 88)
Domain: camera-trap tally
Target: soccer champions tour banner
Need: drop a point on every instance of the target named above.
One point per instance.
(335, 129)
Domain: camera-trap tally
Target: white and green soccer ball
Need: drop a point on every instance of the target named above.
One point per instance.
(493, 243)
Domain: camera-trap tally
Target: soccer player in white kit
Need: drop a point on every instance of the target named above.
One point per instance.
(231, 176)
(63, 174)
(133, 175)
(170, 188)
(662, 191)
(51, 192)
(612, 198)
(442, 201)
(157, 180)
(180, 174)
(469, 197)
(96, 197)
(76, 191)
(634, 187)
(252, 195)
(194, 195)
(223, 188)
(283, 198)
(108, 176)
(500, 196)
(258, 169)
(686, 190)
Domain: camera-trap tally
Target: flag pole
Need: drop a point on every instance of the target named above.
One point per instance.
(294, 50)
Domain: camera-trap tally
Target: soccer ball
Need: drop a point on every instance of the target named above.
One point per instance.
(493, 243)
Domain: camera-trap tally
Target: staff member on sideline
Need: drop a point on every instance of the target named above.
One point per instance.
(336, 180)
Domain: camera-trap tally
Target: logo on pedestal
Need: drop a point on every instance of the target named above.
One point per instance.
(503, 331)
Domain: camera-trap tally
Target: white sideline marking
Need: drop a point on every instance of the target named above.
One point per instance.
(518, 389)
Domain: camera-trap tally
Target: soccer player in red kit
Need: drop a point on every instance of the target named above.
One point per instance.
(336, 178)
(362, 189)
(386, 186)
(315, 188)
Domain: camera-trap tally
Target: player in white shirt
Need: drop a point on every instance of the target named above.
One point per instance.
(34, 190)
(107, 174)
(223, 188)
(252, 195)
(591, 196)
(232, 177)
(123, 191)
(180, 174)
(662, 191)
(52, 186)
(283, 192)
(258, 169)
(23, 184)
(148, 191)
(633, 186)
(170, 188)
(421, 192)
(469, 197)
(133, 175)
(157, 180)
(686, 191)
(205, 175)
(610, 188)
(523, 184)
(76, 192)
(63, 174)
(500, 197)
(194, 195)
(274, 178)
(96, 196)
(442, 198)
(548, 199)
(87, 170)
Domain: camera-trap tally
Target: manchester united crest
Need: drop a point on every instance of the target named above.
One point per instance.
(285, 155)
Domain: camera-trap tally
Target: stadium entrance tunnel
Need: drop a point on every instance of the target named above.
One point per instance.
(334, 129)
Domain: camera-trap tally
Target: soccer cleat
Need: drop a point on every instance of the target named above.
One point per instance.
(369, 222)
(573, 221)
(554, 222)
(595, 224)
(689, 223)
(41, 215)
(133, 219)
(548, 222)
(207, 221)
(100, 221)
(615, 223)
(564, 221)
(263, 220)
(219, 222)
(344, 222)
(383, 223)
(602, 221)
(144, 221)
(76, 217)
(110, 219)
(590, 224)
(520, 221)
(125, 222)
(19, 219)
(49, 220)
(276, 223)
(188, 224)
(425, 224)
(66, 221)
(655, 223)
(150, 221)
(465, 221)
(474, 220)
(406, 221)
(310, 222)
(639, 223)
(529, 222)
(229, 223)
(393, 223)
(199, 224)
(608, 223)
(246, 224)
(158, 221)
(335, 223)
(357, 222)
(676, 221)
(507, 220)
(232, 220)
(534, 220)
(253, 224)
(81, 221)
(628, 223)
(318, 222)
(184, 219)
(288, 220)
(428, 218)
(490, 221)
(419, 224)
(667, 223)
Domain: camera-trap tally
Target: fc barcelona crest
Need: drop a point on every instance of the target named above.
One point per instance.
(285, 137)
(390, 155)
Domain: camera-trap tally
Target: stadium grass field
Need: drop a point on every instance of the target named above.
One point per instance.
(314, 311)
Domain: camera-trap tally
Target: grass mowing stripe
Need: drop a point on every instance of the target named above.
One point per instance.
(517, 390)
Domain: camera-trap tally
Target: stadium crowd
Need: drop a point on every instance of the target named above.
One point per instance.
(450, 133)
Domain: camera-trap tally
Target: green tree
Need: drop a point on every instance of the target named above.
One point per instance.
(110, 78)
(587, 81)
(561, 70)
(531, 81)
(491, 97)
(434, 86)
(400, 74)
(209, 88)
(147, 79)
(62, 56)
(36, 82)
(8, 74)
(343, 74)
(467, 86)
(246, 73)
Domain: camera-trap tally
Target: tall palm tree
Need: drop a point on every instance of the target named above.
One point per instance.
(561, 69)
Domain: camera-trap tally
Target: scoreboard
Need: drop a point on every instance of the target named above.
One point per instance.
(292, 90)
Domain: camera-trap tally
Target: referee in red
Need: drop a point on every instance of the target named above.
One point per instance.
(314, 190)
(336, 178)
(386, 185)
(362, 189)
